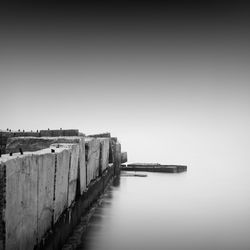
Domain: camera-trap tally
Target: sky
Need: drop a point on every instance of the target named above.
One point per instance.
(170, 81)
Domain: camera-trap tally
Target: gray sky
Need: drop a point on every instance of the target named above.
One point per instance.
(172, 84)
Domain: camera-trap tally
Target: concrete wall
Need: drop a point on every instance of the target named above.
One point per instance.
(35, 194)
(61, 182)
(73, 169)
(112, 143)
(31, 144)
(34, 144)
(67, 224)
(92, 147)
(102, 135)
(3, 140)
(104, 153)
(21, 203)
(46, 171)
(5, 135)
(2, 205)
(36, 188)
(124, 157)
(82, 166)
(59, 132)
(28, 144)
(19, 134)
(117, 158)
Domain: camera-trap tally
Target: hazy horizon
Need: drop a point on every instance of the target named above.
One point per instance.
(170, 81)
(167, 80)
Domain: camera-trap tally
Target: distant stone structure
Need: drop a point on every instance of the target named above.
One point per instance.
(59, 132)
(124, 157)
(5, 135)
(107, 135)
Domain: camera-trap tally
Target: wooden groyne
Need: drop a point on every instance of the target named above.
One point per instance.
(154, 167)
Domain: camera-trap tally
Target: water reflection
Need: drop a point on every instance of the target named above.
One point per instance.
(171, 211)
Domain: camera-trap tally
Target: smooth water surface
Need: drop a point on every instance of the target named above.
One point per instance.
(192, 210)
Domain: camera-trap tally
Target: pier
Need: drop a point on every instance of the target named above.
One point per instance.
(51, 179)
(154, 167)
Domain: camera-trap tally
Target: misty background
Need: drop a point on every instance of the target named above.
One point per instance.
(171, 82)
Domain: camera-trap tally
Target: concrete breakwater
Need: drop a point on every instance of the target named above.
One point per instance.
(6, 134)
(154, 167)
(48, 181)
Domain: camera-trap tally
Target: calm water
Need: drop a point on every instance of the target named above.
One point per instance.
(192, 210)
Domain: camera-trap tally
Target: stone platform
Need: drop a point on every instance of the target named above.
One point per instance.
(154, 167)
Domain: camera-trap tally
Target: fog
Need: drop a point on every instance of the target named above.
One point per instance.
(171, 83)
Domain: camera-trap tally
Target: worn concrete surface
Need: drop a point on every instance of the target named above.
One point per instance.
(82, 165)
(95, 196)
(45, 183)
(39, 187)
(81, 159)
(124, 157)
(73, 169)
(155, 167)
(117, 159)
(59, 132)
(28, 144)
(2, 204)
(73, 174)
(61, 182)
(92, 147)
(104, 153)
(33, 144)
(71, 217)
(46, 171)
(20, 214)
(112, 143)
(32, 197)
(102, 135)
